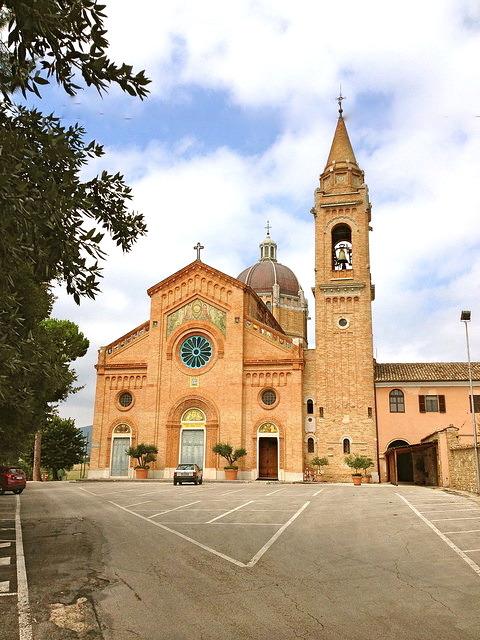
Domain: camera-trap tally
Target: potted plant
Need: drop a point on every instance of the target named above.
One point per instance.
(226, 451)
(367, 464)
(318, 463)
(355, 462)
(143, 454)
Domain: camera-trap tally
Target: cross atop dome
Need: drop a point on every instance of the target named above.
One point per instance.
(268, 248)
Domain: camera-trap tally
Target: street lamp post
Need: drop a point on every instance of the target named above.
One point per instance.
(465, 318)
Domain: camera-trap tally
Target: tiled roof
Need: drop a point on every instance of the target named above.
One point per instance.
(425, 371)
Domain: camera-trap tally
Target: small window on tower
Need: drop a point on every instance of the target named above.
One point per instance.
(311, 445)
(346, 446)
(309, 406)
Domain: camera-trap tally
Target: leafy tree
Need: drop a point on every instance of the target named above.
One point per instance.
(143, 454)
(226, 451)
(46, 378)
(56, 39)
(52, 222)
(63, 445)
(357, 462)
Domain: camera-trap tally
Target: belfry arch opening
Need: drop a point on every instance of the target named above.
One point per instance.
(341, 247)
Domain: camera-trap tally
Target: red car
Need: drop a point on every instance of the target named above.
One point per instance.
(12, 479)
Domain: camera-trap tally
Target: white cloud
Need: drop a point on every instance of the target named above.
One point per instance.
(420, 155)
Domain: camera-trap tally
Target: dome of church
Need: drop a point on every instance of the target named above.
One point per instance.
(263, 275)
(267, 272)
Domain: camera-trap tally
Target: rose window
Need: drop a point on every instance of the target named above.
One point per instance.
(196, 352)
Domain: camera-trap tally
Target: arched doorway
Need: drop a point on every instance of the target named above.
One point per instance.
(121, 440)
(267, 451)
(404, 461)
(192, 437)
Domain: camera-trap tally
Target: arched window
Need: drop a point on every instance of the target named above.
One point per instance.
(309, 406)
(397, 401)
(341, 247)
(311, 445)
(346, 446)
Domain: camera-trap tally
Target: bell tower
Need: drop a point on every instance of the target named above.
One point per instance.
(344, 371)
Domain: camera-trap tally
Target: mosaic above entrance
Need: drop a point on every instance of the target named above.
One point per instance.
(268, 427)
(197, 310)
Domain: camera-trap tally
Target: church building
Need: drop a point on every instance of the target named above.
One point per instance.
(224, 359)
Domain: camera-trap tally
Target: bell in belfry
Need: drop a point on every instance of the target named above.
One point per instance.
(342, 258)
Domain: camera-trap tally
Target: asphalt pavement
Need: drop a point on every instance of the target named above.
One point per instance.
(248, 561)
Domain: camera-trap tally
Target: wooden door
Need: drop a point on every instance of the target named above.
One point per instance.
(268, 458)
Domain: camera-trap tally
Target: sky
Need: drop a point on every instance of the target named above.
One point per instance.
(237, 129)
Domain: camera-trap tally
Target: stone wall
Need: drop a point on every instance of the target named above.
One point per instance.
(462, 468)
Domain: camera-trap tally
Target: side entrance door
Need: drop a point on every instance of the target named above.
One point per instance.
(268, 458)
(119, 457)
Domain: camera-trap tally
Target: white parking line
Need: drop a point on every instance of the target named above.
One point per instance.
(449, 533)
(473, 565)
(4, 561)
(23, 603)
(276, 491)
(227, 493)
(444, 519)
(437, 502)
(183, 536)
(5, 586)
(275, 536)
(470, 550)
(135, 504)
(3, 545)
(222, 515)
(317, 492)
(174, 509)
(450, 510)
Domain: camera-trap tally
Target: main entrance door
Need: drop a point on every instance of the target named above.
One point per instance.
(268, 458)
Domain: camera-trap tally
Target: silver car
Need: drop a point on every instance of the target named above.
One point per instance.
(187, 473)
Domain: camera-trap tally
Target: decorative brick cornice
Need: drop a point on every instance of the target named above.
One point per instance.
(341, 286)
(121, 366)
(129, 337)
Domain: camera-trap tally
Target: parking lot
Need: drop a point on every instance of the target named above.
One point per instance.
(240, 524)
(308, 560)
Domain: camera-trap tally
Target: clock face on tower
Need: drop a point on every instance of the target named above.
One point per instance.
(196, 352)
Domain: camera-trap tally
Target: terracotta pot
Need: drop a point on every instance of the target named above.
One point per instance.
(357, 480)
(141, 474)
(231, 474)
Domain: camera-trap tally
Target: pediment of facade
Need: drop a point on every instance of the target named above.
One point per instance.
(196, 278)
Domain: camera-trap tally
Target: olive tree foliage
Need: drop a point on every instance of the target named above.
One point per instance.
(56, 39)
(52, 221)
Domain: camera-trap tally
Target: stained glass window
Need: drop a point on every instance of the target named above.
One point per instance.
(196, 352)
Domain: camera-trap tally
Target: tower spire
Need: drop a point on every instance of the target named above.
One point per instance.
(341, 149)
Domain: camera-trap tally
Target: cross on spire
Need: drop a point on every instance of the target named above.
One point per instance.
(268, 227)
(340, 99)
(198, 247)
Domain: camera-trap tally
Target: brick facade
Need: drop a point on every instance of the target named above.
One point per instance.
(326, 401)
